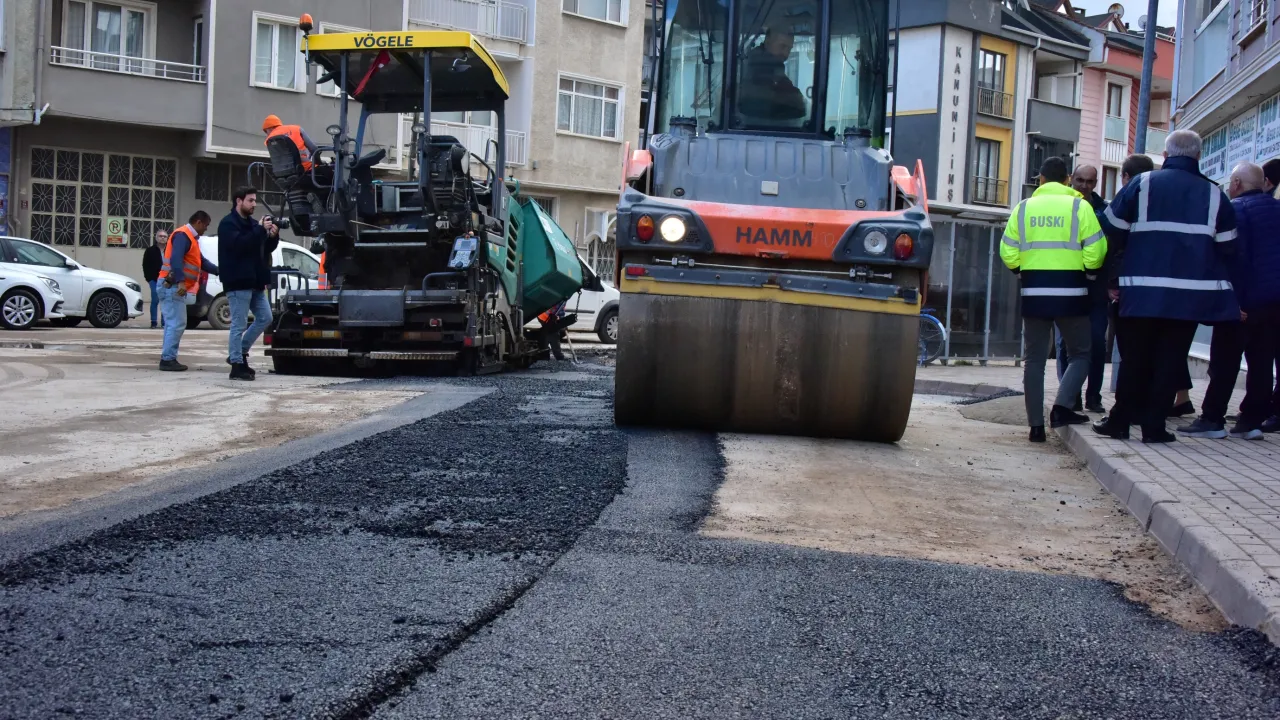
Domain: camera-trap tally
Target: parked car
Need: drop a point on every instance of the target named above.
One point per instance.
(26, 297)
(298, 269)
(105, 298)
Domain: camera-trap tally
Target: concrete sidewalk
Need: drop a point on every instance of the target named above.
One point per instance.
(1212, 504)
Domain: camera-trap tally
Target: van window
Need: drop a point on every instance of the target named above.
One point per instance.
(301, 262)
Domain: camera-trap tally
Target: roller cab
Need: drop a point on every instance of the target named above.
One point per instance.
(771, 258)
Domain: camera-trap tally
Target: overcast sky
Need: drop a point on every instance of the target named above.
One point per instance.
(1133, 9)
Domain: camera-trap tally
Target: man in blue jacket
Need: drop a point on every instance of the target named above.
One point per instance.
(1256, 278)
(244, 250)
(1175, 231)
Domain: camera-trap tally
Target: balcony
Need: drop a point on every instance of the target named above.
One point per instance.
(1155, 140)
(1049, 120)
(498, 19)
(1115, 139)
(990, 191)
(477, 139)
(995, 103)
(126, 89)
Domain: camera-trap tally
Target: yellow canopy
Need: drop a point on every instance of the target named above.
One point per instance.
(464, 76)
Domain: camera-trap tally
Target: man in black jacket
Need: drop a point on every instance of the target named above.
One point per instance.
(1083, 181)
(152, 261)
(244, 252)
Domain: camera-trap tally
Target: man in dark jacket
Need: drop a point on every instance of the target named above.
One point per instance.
(1176, 231)
(1256, 278)
(1271, 169)
(152, 261)
(1083, 181)
(244, 251)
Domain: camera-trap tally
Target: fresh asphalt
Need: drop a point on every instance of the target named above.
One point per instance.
(511, 554)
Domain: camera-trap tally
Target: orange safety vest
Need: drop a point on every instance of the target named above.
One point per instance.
(295, 134)
(324, 276)
(192, 263)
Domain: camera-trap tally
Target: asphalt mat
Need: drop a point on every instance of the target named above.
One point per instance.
(519, 557)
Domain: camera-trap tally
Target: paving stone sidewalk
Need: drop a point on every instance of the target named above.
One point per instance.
(1212, 504)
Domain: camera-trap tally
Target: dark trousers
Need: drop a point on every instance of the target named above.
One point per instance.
(1153, 354)
(1099, 317)
(1255, 340)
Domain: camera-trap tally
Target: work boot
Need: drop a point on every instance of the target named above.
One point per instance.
(1186, 408)
(1205, 429)
(1078, 406)
(239, 371)
(1094, 405)
(1271, 424)
(1156, 436)
(1108, 427)
(1060, 416)
(252, 373)
(1247, 431)
(172, 366)
(1037, 434)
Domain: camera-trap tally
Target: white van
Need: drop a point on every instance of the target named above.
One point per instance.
(299, 270)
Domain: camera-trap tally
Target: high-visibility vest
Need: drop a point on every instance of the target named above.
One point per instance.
(324, 276)
(192, 264)
(1052, 239)
(295, 134)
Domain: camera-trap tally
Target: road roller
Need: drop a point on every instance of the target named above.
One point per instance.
(771, 257)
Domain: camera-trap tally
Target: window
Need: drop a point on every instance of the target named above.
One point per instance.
(330, 88)
(987, 185)
(111, 32)
(607, 10)
(1255, 14)
(1211, 45)
(588, 108)
(197, 42)
(1115, 100)
(300, 261)
(599, 228)
(991, 70)
(72, 192)
(1110, 182)
(777, 71)
(277, 63)
(29, 253)
(546, 202)
(216, 182)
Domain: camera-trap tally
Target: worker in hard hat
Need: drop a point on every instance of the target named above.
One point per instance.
(272, 126)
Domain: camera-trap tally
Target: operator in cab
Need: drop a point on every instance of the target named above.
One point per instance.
(767, 94)
(307, 149)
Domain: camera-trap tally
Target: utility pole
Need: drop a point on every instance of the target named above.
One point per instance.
(1144, 93)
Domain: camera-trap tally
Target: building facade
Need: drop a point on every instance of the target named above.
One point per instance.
(146, 111)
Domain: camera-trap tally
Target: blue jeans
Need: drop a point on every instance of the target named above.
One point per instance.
(155, 301)
(174, 311)
(1098, 320)
(241, 340)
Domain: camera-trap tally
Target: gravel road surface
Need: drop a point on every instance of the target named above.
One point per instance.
(519, 557)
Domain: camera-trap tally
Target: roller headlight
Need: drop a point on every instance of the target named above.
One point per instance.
(53, 284)
(876, 242)
(673, 229)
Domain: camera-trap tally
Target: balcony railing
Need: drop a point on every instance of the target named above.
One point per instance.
(497, 19)
(125, 64)
(1155, 140)
(995, 103)
(990, 191)
(1115, 128)
(477, 139)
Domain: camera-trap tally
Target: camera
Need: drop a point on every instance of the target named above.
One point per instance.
(282, 223)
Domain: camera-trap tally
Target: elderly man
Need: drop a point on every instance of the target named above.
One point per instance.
(1256, 278)
(1176, 230)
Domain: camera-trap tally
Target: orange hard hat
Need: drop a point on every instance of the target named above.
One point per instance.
(269, 122)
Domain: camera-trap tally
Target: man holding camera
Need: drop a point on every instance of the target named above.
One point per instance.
(245, 249)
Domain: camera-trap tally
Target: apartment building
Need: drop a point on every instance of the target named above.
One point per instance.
(148, 110)
(576, 74)
(1227, 85)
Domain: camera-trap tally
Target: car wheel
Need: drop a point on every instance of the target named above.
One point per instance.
(608, 331)
(106, 309)
(19, 309)
(66, 322)
(220, 313)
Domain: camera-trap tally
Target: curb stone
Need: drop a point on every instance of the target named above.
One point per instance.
(1237, 585)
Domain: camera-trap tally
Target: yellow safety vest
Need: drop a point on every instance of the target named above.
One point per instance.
(1052, 239)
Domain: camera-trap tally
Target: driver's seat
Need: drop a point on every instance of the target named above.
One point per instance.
(289, 175)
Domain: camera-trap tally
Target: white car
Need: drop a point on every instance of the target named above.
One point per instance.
(105, 298)
(26, 297)
(597, 312)
(213, 304)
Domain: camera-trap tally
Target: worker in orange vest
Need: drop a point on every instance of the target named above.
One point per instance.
(180, 284)
(553, 339)
(324, 276)
(272, 126)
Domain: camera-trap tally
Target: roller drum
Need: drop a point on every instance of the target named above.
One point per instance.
(764, 367)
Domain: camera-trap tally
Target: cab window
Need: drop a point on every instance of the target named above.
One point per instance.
(301, 262)
(29, 253)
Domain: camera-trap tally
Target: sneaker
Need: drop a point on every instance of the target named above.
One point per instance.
(1095, 406)
(1206, 429)
(1158, 436)
(1060, 416)
(1271, 424)
(1037, 434)
(1247, 431)
(240, 372)
(1186, 408)
(172, 366)
(1109, 428)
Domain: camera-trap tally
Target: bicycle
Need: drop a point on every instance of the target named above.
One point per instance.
(933, 337)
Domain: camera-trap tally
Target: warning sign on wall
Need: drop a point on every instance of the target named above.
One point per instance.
(115, 232)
